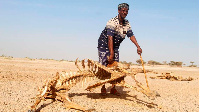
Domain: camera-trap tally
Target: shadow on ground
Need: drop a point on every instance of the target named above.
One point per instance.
(123, 96)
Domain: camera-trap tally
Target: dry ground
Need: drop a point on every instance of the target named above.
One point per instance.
(20, 78)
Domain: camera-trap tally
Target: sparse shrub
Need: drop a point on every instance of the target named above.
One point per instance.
(124, 62)
(6, 57)
(173, 63)
(3, 55)
(192, 66)
(151, 62)
(28, 58)
(140, 62)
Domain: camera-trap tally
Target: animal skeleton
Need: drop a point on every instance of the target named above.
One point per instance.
(172, 78)
(58, 87)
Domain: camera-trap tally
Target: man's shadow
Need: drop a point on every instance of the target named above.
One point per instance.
(123, 95)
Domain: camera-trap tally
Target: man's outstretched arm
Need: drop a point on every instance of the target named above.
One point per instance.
(133, 39)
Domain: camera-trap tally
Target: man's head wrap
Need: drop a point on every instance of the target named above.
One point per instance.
(123, 5)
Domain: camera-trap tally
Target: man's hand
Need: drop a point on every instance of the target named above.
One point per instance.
(139, 51)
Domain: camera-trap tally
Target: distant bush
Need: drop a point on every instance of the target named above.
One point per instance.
(140, 62)
(124, 62)
(6, 57)
(3, 55)
(173, 63)
(151, 62)
(29, 58)
(192, 66)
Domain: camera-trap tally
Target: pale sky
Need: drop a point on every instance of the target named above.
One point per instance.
(166, 30)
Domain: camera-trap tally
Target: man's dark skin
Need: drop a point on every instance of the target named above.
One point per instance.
(122, 15)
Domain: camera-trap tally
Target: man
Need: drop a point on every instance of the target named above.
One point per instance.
(109, 41)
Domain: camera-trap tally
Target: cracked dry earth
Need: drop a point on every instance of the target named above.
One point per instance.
(21, 77)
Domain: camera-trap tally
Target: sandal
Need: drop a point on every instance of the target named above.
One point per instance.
(114, 91)
(103, 90)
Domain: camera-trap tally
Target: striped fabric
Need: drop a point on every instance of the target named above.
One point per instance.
(117, 31)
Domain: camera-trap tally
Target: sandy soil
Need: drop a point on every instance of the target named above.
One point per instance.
(21, 77)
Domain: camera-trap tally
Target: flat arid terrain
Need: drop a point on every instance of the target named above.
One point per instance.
(20, 79)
